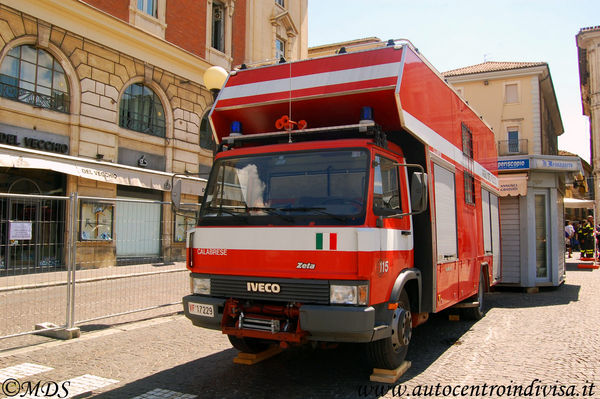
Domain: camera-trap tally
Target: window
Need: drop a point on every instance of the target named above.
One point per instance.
(280, 2)
(218, 26)
(469, 188)
(513, 140)
(511, 93)
(386, 191)
(299, 188)
(148, 15)
(467, 141)
(279, 49)
(207, 140)
(142, 111)
(183, 223)
(33, 76)
(148, 6)
(96, 222)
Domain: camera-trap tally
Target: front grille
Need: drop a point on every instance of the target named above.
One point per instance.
(290, 290)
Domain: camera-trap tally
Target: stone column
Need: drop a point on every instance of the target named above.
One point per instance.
(590, 41)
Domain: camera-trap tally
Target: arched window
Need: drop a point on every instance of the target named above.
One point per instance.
(35, 77)
(142, 111)
(207, 140)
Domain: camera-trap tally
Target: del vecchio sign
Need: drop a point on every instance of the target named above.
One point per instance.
(34, 143)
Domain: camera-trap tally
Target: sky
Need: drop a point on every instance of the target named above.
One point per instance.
(456, 33)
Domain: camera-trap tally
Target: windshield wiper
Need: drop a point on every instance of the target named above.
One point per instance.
(316, 209)
(225, 210)
(270, 211)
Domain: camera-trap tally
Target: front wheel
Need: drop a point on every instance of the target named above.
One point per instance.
(389, 353)
(247, 345)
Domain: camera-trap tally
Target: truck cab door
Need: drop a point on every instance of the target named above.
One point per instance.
(390, 196)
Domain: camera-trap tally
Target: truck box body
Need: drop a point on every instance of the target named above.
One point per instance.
(313, 230)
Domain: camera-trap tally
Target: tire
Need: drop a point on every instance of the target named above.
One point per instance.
(247, 345)
(389, 353)
(478, 312)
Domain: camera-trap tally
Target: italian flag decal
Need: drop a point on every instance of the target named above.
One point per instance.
(326, 241)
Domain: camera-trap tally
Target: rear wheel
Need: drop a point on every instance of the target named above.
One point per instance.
(247, 345)
(389, 353)
(476, 313)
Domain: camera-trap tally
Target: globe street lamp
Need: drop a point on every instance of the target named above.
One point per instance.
(214, 79)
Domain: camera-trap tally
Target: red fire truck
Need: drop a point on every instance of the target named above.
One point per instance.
(350, 197)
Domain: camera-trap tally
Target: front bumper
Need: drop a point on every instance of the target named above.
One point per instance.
(321, 322)
(214, 322)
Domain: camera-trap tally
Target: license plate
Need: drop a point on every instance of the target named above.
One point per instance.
(201, 309)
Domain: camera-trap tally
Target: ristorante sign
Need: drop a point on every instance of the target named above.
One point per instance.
(34, 143)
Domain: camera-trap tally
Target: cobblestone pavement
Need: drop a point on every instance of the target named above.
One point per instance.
(546, 341)
(26, 300)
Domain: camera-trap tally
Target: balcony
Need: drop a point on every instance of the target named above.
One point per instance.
(512, 147)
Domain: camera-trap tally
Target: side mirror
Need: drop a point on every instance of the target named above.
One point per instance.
(176, 194)
(418, 192)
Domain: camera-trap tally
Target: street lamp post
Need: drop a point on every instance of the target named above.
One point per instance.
(214, 79)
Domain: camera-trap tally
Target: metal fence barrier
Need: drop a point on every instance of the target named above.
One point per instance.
(34, 262)
(71, 261)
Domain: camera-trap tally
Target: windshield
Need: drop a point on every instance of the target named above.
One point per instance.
(298, 188)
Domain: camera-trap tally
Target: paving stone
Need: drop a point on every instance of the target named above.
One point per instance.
(525, 340)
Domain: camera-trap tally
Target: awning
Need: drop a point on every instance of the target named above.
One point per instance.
(578, 203)
(14, 157)
(513, 184)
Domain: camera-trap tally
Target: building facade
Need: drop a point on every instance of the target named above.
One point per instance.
(588, 44)
(278, 29)
(518, 100)
(106, 99)
(577, 190)
(349, 46)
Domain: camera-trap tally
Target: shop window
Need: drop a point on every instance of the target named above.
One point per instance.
(96, 221)
(207, 140)
(218, 26)
(142, 111)
(35, 77)
(182, 225)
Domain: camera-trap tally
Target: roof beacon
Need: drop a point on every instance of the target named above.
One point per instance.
(366, 117)
(236, 129)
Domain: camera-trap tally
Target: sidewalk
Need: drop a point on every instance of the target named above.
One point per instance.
(574, 261)
(52, 279)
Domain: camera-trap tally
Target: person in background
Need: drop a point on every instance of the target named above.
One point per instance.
(586, 237)
(576, 247)
(569, 236)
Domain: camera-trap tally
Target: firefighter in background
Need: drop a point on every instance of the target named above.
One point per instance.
(586, 237)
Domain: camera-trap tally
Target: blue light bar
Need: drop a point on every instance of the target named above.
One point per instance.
(236, 128)
(366, 114)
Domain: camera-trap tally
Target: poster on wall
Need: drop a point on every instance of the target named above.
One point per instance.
(96, 221)
(19, 230)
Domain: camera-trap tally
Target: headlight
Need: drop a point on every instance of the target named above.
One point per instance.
(200, 286)
(348, 294)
